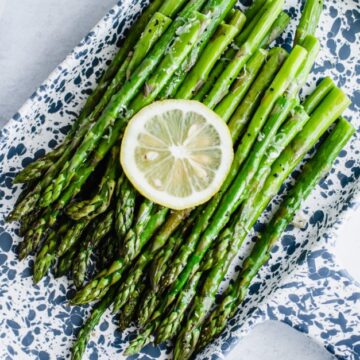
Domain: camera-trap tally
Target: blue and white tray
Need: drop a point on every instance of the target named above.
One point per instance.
(301, 285)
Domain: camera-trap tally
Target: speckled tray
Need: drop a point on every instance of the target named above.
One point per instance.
(301, 285)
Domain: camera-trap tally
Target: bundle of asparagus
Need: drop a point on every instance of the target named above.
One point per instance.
(163, 268)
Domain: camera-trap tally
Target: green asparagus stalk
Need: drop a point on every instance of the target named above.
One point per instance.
(89, 209)
(47, 254)
(313, 100)
(83, 337)
(170, 326)
(71, 237)
(200, 72)
(276, 30)
(141, 340)
(97, 231)
(33, 236)
(171, 7)
(242, 115)
(37, 168)
(336, 102)
(160, 264)
(309, 20)
(160, 261)
(313, 171)
(147, 306)
(65, 262)
(125, 206)
(153, 31)
(250, 25)
(221, 87)
(240, 87)
(28, 220)
(127, 313)
(277, 88)
(169, 65)
(119, 102)
(108, 250)
(133, 244)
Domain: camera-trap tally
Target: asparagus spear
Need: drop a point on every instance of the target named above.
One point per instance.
(28, 220)
(309, 20)
(97, 231)
(153, 31)
(313, 100)
(330, 109)
(199, 73)
(240, 87)
(160, 261)
(71, 237)
(242, 115)
(117, 107)
(221, 87)
(37, 168)
(278, 86)
(65, 262)
(313, 171)
(108, 250)
(170, 326)
(83, 337)
(46, 256)
(89, 209)
(127, 313)
(276, 29)
(142, 339)
(125, 206)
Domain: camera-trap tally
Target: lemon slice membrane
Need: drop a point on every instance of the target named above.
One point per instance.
(177, 153)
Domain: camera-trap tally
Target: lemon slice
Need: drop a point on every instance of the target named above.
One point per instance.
(177, 153)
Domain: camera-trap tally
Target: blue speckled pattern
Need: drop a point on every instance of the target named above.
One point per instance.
(301, 285)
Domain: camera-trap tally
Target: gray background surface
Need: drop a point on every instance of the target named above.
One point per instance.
(35, 36)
